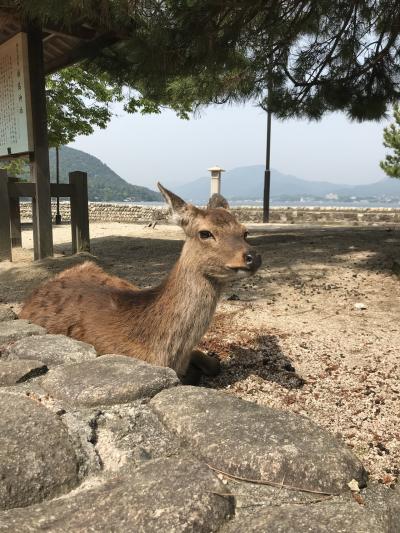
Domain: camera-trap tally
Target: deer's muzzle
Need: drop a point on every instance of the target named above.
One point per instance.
(252, 261)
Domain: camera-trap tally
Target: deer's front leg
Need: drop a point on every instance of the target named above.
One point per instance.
(200, 363)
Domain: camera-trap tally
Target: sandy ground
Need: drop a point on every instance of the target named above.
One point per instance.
(291, 337)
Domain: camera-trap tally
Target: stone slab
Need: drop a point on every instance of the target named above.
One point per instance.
(330, 516)
(6, 313)
(257, 442)
(384, 502)
(51, 349)
(130, 434)
(14, 372)
(37, 458)
(107, 380)
(256, 509)
(164, 495)
(12, 330)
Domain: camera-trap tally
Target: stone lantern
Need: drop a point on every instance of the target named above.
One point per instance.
(216, 179)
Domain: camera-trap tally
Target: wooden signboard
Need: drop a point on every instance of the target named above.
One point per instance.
(15, 101)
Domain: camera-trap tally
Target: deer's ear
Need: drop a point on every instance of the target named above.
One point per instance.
(181, 211)
(217, 200)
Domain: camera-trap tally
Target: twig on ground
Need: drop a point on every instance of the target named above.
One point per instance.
(223, 494)
(304, 311)
(282, 484)
(271, 483)
(265, 504)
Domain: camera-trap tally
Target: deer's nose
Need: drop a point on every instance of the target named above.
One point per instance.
(252, 260)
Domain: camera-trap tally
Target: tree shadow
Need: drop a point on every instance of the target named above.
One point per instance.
(287, 247)
(263, 358)
(291, 255)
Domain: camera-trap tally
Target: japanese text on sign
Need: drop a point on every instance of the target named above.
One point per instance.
(15, 116)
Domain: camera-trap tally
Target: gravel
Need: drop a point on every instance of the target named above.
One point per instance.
(291, 338)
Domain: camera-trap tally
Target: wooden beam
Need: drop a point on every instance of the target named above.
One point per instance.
(64, 190)
(5, 232)
(16, 190)
(79, 212)
(40, 159)
(87, 50)
(79, 32)
(52, 50)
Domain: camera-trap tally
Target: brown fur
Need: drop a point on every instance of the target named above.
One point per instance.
(160, 325)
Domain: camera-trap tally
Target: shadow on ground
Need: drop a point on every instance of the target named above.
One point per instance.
(264, 358)
(288, 253)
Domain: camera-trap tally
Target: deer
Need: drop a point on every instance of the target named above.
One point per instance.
(161, 325)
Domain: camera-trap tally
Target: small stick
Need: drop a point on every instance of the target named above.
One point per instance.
(223, 494)
(263, 504)
(282, 484)
(271, 483)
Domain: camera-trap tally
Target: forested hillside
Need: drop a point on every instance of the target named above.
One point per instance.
(103, 183)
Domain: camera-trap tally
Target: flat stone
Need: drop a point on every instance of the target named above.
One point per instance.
(384, 502)
(37, 459)
(51, 349)
(257, 442)
(12, 330)
(14, 372)
(332, 516)
(6, 313)
(107, 380)
(130, 434)
(164, 495)
(251, 498)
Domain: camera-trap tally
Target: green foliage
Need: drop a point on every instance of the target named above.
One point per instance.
(15, 167)
(294, 57)
(105, 14)
(391, 139)
(77, 102)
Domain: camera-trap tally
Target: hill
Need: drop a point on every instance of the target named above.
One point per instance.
(247, 183)
(104, 185)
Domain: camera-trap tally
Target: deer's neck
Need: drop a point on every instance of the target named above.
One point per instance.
(180, 313)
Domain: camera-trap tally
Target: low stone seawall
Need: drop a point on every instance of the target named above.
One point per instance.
(128, 213)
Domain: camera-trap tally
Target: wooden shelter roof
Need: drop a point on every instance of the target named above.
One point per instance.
(62, 46)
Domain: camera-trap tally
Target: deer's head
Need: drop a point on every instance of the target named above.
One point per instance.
(216, 243)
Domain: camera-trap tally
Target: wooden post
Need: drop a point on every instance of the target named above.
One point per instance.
(35, 231)
(41, 208)
(15, 219)
(79, 212)
(58, 215)
(5, 233)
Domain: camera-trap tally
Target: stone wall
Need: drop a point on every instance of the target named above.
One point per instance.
(108, 212)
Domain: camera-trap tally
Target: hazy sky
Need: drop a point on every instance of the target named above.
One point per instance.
(144, 149)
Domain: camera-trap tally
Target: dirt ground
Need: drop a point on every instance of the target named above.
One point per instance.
(291, 337)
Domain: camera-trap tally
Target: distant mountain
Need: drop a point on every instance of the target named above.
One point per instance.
(103, 183)
(247, 183)
(384, 187)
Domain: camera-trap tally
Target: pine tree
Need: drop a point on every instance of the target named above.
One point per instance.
(292, 57)
(391, 139)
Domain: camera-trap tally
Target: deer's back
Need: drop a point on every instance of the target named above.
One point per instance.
(86, 303)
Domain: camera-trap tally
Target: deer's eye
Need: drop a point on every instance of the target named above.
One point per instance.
(204, 234)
